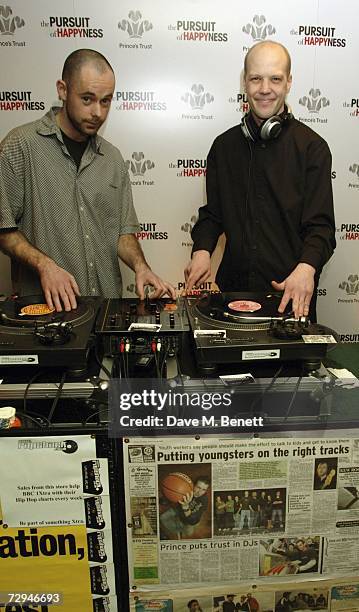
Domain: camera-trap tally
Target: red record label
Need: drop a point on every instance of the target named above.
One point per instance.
(35, 310)
(244, 306)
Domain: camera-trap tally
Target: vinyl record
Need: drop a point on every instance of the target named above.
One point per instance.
(226, 307)
(21, 313)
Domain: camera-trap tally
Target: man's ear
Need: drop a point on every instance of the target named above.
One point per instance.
(61, 89)
(289, 83)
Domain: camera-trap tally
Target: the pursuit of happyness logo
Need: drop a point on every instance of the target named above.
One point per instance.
(71, 27)
(10, 24)
(197, 99)
(241, 101)
(135, 27)
(199, 31)
(189, 167)
(19, 101)
(318, 36)
(314, 103)
(348, 231)
(139, 168)
(208, 287)
(352, 106)
(151, 231)
(139, 100)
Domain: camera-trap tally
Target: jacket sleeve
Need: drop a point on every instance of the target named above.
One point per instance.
(317, 223)
(208, 228)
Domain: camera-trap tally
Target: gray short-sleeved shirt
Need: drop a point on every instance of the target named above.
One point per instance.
(74, 216)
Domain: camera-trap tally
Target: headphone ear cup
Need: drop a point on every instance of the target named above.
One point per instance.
(246, 129)
(271, 128)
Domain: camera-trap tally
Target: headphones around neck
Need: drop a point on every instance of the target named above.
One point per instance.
(268, 130)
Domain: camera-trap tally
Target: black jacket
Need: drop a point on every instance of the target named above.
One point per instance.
(273, 200)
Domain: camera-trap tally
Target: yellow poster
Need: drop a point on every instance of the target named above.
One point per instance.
(46, 560)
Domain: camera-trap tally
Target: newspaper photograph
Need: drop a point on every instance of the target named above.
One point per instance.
(320, 596)
(345, 598)
(206, 510)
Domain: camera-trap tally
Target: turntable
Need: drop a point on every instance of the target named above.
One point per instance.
(32, 335)
(229, 328)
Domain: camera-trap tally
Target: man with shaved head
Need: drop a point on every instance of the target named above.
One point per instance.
(66, 211)
(269, 191)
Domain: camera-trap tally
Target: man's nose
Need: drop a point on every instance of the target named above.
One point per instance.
(96, 109)
(265, 85)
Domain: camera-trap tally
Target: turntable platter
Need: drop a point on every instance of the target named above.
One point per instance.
(252, 311)
(243, 327)
(19, 314)
(56, 339)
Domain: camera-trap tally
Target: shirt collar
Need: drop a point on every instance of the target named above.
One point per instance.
(48, 127)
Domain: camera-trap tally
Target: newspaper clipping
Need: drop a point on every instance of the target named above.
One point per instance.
(225, 510)
(321, 596)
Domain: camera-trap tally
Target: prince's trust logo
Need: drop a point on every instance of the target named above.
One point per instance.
(259, 29)
(197, 98)
(138, 166)
(187, 227)
(9, 24)
(314, 104)
(354, 168)
(135, 27)
(350, 286)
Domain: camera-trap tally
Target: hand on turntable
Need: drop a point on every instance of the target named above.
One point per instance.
(145, 276)
(198, 270)
(129, 250)
(60, 288)
(298, 287)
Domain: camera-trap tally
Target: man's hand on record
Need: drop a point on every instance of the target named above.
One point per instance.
(145, 276)
(59, 286)
(298, 287)
(198, 270)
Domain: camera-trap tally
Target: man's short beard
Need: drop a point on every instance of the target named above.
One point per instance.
(76, 125)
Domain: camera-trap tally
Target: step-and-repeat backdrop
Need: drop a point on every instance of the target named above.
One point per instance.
(178, 73)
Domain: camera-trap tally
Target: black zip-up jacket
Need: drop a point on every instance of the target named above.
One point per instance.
(273, 200)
